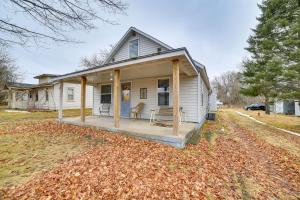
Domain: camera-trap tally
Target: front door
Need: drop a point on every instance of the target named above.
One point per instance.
(125, 99)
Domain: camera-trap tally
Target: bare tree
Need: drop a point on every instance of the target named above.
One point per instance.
(228, 87)
(96, 59)
(52, 19)
(8, 71)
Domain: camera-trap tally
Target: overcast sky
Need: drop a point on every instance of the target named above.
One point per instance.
(214, 32)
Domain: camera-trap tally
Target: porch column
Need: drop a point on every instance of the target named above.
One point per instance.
(9, 99)
(175, 96)
(83, 96)
(117, 93)
(60, 105)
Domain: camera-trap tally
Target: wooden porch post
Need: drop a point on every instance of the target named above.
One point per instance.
(60, 106)
(117, 98)
(83, 96)
(176, 97)
(9, 98)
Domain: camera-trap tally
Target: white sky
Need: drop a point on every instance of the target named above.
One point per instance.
(213, 31)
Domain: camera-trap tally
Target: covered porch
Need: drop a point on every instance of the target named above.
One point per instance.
(138, 128)
(140, 73)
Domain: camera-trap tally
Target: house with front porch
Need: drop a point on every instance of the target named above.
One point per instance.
(142, 70)
(45, 94)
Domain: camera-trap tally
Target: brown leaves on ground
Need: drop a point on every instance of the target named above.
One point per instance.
(238, 165)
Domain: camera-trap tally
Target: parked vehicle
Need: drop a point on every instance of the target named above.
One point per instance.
(256, 106)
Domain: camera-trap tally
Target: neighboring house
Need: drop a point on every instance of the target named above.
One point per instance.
(45, 94)
(146, 69)
(288, 107)
(213, 107)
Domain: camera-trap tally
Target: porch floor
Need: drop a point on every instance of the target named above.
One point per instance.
(139, 128)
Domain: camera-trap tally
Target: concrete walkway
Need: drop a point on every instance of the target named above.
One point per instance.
(263, 123)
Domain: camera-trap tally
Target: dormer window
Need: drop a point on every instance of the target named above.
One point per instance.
(133, 48)
(158, 50)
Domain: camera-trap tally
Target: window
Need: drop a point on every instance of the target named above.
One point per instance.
(36, 96)
(70, 93)
(47, 95)
(143, 93)
(163, 92)
(158, 50)
(30, 95)
(134, 48)
(106, 94)
(19, 96)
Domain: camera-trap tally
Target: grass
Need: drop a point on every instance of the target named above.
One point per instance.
(287, 122)
(268, 134)
(15, 116)
(23, 155)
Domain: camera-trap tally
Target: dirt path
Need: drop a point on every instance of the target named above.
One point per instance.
(270, 165)
(235, 159)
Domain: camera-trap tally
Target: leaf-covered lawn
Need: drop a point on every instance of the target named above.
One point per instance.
(16, 116)
(232, 161)
(26, 152)
(288, 122)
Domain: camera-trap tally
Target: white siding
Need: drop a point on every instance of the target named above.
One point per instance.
(20, 103)
(297, 108)
(188, 96)
(203, 100)
(67, 104)
(53, 101)
(278, 106)
(146, 47)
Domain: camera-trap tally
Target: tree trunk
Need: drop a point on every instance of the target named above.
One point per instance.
(267, 104)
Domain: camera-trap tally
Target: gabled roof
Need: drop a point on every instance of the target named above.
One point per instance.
(198, 66)
(128, 34)
(46, 75)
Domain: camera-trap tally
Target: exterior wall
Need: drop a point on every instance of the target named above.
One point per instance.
(44, 80)
(146, 47)
(203, 100)
(278, 106)
(188, 97)
(77, 92)
(297, 108)
(213, 102)
(19, 103)
(53, 100)
(285, 107)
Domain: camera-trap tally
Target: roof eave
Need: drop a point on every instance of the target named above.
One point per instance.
(173, 53)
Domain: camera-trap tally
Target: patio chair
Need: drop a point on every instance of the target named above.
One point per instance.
(137, 110)
(166, 112)
(104, 109)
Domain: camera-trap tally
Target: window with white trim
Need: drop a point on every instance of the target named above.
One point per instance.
(163, 92)
(106, 94)
(134, 48)
(70, 93)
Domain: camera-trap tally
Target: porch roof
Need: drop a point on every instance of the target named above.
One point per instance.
(20, 86)
(180, 53)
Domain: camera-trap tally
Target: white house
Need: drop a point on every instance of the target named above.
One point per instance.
(290, 107)
(45, 94)
(142, 69)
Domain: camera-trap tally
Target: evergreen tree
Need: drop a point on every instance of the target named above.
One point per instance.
(273, 71)
(286, 19)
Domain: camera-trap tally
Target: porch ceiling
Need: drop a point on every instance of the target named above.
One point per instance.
(154, 68)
